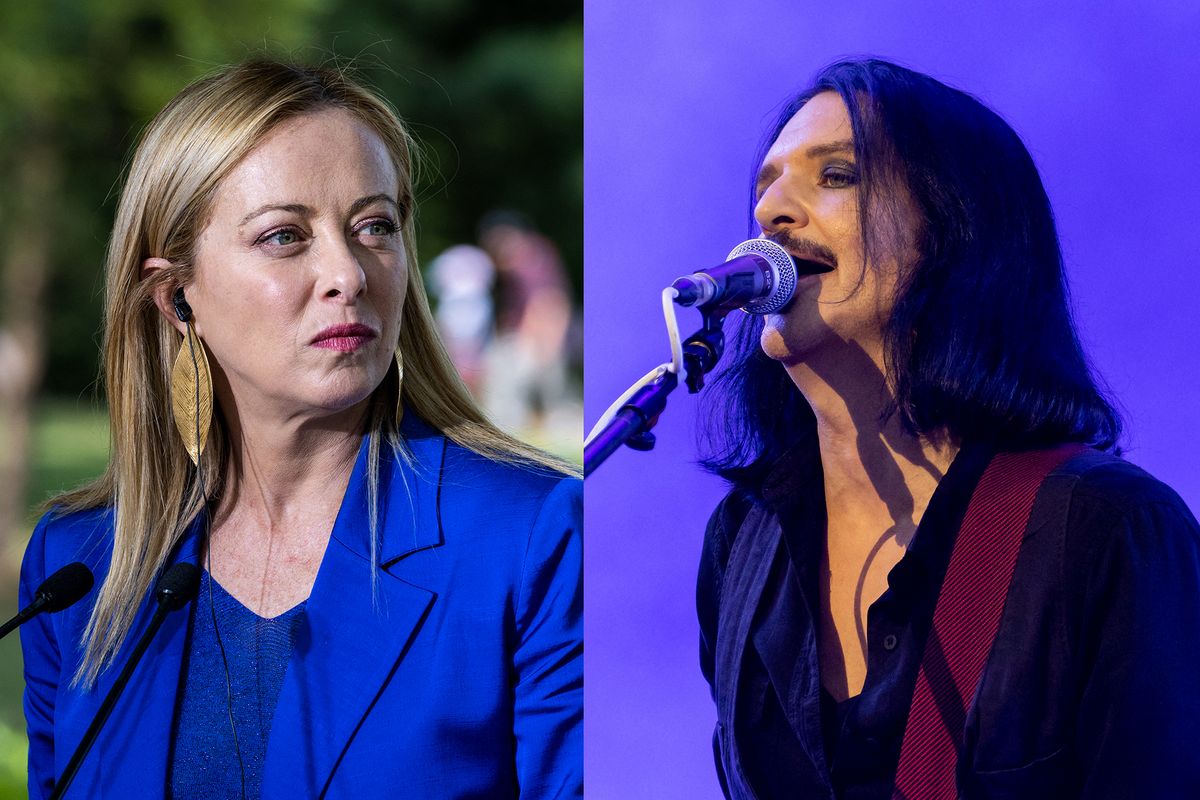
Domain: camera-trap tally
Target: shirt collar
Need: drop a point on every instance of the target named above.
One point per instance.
(793, 488)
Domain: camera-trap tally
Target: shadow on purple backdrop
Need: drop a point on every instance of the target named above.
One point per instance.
(677, 98)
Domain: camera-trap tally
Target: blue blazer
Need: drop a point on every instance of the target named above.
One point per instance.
(462, 676)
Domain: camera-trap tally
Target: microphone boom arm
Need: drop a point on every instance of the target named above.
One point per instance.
(174, 590)
(633, 422)
(758, 276)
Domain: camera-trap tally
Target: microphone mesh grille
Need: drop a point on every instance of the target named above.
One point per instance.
(783, 274)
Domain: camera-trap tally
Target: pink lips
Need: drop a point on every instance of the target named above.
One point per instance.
(346, 338)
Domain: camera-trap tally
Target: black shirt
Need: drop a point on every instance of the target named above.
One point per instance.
(1090, 687)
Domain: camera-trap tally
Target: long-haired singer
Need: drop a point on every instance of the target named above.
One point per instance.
(934, 577)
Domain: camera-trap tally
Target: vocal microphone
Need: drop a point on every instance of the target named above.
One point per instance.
(758, 276)
(64, 588)
(175, 588)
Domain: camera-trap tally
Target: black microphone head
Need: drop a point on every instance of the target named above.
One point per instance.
(783, 274)
(65, 588)
(178, 585)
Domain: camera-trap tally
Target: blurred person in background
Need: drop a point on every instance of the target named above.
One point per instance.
(462, 279)
(390, 601)
(525, 381)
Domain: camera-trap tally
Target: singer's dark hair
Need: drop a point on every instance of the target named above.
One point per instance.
(980, 343)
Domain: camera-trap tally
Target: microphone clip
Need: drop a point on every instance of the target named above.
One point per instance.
(702, 350)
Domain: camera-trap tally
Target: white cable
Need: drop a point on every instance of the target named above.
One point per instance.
(675, 365)
(668, 303)
(608, 415)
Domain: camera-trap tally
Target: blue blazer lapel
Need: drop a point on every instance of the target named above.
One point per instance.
(354, 637)
(130, 756)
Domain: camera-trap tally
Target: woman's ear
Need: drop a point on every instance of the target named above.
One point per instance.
(163, 293)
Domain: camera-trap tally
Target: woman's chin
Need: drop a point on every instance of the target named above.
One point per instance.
(339, 397)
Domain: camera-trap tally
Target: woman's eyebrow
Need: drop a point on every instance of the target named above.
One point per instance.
(294, 208)
(305, 211)
(363, 202)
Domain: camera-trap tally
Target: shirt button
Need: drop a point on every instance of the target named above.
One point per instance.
(889, 642)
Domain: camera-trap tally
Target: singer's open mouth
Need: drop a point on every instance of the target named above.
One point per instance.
(808, 266)
(811, 258)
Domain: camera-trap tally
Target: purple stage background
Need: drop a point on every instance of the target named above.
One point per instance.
(1106, 96)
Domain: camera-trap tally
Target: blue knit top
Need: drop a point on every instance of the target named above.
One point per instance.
(204, 759)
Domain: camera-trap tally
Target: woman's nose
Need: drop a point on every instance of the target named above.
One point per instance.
(341, 273)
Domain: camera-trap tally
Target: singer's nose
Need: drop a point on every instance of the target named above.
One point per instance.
(777, 208)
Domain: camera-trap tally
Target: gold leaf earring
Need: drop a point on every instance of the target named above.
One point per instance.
(399, 386)
(192, 394)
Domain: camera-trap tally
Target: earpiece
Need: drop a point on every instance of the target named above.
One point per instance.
(182, 309)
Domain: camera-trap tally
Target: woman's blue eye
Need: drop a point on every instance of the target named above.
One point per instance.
(280, 238)
(378, 227)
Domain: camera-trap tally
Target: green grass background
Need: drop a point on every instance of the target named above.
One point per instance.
(70, 446)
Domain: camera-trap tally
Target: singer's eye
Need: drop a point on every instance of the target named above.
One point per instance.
(842, 177)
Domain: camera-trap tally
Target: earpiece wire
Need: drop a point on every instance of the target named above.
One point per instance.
(208, 559)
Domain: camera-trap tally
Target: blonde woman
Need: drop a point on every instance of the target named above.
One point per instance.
(390, 599)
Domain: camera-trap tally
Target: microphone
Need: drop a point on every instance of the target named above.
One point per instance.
(63, 589)
(758, 276)
(175, 588)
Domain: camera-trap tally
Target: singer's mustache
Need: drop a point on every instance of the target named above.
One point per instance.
(804, 249)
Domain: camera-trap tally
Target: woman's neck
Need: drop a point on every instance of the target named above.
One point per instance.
(281, 470)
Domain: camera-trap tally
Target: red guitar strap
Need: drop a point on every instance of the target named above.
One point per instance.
(966, 619)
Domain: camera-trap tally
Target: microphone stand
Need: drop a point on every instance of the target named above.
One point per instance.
(170, 597)
(24, 615)
(633, 422)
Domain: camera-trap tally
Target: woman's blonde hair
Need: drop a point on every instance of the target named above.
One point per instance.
(184, 154)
